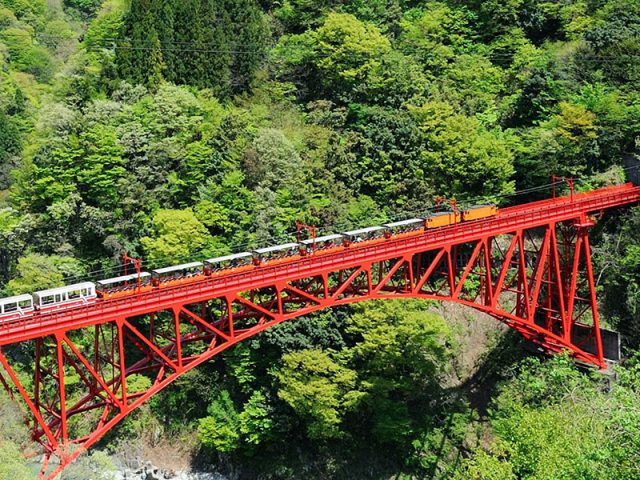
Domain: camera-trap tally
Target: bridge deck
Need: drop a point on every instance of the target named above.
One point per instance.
(507, 220)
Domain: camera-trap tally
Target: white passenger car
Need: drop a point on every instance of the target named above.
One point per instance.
(124, 282)
(15, 307)
(64, 297)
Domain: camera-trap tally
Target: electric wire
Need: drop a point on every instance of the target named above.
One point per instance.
(289, 235)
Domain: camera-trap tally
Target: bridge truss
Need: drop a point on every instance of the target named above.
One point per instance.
(529, 267)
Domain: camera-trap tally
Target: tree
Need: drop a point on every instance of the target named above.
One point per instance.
(616, 35)
(319, 389)
(176, 234)
(248, 35)
(341, 53)
(221, 428)
(140, 58)
(566, 144)
(101, 166)
(435, 36)
(9, 146)
(38, 272)
(87, 7)
(552, 421)
(25, 56)
(400, 352)
(271, 160)
(460, 157)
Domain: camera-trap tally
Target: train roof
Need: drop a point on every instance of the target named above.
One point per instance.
(403, 223)
(228, 258)
(276, 248)
(360, 231)
(66, 288)
(473, 207)
(124, 278)
(325, 238)
(439, 214)
(175, 268)
(16, 299)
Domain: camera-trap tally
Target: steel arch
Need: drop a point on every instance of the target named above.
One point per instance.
(529, 267)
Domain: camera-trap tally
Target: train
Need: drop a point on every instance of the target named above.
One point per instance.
(85, 293)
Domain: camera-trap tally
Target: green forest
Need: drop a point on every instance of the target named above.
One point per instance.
(185, 129)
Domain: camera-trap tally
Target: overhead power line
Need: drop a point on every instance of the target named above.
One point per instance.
(289, 234)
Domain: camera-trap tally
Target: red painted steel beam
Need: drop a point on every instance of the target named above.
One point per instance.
(552, 277)
(507, 220)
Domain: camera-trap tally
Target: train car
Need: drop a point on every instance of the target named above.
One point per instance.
(235, 260)
(15, 307)
(442, 219)
(479, 211)
(176, 273)
(403, 226)
(362, 234)
(65, 297)
(266, 254)
(321, 243)
(125, 284)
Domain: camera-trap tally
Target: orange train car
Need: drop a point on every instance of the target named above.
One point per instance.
(442, 219)
(479, 211)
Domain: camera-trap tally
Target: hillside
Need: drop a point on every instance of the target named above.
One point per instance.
(186, 129)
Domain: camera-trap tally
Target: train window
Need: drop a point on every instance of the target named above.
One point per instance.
(48, 300)
(85, 292)
(24, 304)
(58, 298)
(10, 307)
(74, 294)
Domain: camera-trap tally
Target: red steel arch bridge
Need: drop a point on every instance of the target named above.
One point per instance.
(529, 267)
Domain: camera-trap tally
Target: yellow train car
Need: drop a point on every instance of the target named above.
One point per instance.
(479, 211)
(442, 219)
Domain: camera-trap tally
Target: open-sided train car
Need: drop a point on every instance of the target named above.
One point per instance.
(275, 252)
(85, 293)
(236, 260)
(321, 243)
(176, 273)
(404, 226)
(123, 285)
(362, 235)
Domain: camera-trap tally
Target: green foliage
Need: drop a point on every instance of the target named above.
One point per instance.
(12, 463)
(460, 155)
(614, 34)
(88, 7)
(256, 422)
(435, 35)
(38, 272)
(224, 43)
(24, 55)
(401, 353)
(618, 260)
(175, 234)
(221, 428)
(319, 389)
(551, 421)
